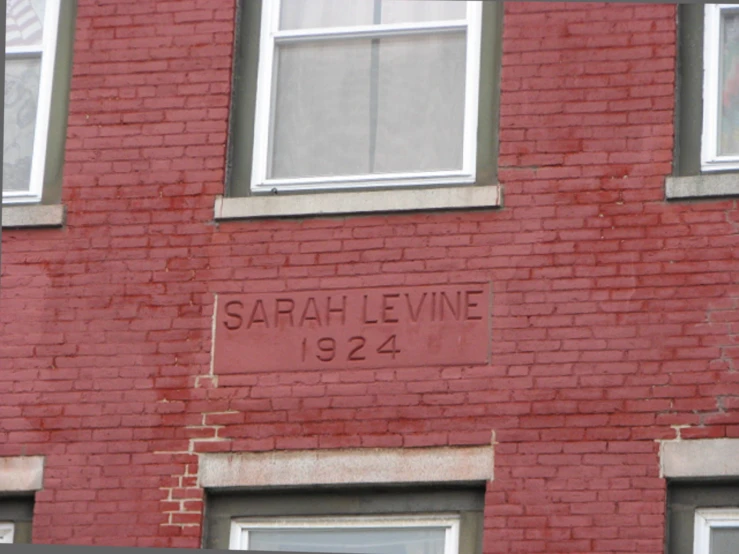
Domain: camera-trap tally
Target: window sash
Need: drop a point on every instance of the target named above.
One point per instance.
(711, 160)
(47, 52)
(7, 531)
(240, 529)
(706, 520)
(272, 36)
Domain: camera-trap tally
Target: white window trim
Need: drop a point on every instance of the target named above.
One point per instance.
(707, 519)
(271, 35)
(7, 532)
(710, 159)
(240, 528)
(43, 110)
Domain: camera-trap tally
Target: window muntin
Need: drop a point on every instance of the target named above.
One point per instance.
(716, 531)
(7, 530)
(356, 98)
(30, 51)
(421, 534)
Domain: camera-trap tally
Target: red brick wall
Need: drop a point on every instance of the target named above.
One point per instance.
(614, 318)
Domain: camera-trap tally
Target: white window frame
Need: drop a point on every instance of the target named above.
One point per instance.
(240, 528)
(707, 519)
(710, 159)
(47, 52)
(7, 532)
(271, 36)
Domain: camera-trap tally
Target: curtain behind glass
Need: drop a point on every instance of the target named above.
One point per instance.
(24, 29)
(307, 14)
(728, 127)
(362, 106)
(351, 541)
(724, 541)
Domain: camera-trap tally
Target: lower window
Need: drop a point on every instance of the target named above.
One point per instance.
(367, 535)
(703, 518)
(16, 515)
(363, 521)
(716, 531)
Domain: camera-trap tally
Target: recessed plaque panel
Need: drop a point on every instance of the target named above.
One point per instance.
(354, 328)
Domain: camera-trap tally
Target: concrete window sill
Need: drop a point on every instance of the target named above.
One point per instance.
(360, 202)
(21, 473)
(702, 186)
(33, 216)
(347, 467)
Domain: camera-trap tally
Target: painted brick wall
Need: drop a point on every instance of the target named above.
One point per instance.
(615, 313)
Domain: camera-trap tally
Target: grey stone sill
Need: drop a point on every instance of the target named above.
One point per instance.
(699, 458)
(702, 186)
(347, 467)
(17, 216)
(358, 202)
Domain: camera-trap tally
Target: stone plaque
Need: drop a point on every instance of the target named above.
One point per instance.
(354, 328)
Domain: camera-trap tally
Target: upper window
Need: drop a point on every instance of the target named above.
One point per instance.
(30, 51)
(707, 126)
(360, 95)
(366, 92)
(720, 142)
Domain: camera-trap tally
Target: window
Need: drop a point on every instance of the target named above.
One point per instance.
(38, 51)
(440, 519)
(703, 518)
(365, 93)
(368, 535)
(16, 515)
(716, 531)
(345, 96)
(30, 47)
(720, 143)
(707, 126)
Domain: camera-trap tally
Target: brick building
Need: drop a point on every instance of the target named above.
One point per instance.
(449, 277)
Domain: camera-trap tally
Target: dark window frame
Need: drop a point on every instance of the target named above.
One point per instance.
(18, 510)
(51, 192)
(689, 93)
(243, 102)
(684, 498)
(222, 507)
(688, 180)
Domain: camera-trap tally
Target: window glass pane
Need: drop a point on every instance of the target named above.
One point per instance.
(305, 14)
(724, 540)
(728, 125)
(21, 99)
(404, 11)
(24, 22)
(322, 109)
(362, 541)
(421, 97)
(352, 107)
